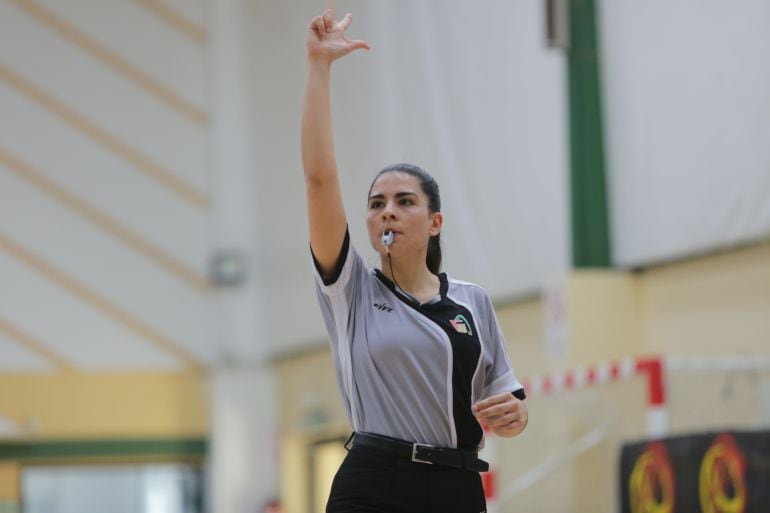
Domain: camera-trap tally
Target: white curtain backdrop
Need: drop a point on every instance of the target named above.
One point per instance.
(687, 125)
(468, 91)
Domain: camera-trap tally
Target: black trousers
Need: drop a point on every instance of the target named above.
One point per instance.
(372, 481)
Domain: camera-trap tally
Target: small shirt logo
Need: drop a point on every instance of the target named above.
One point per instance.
(383, 307)
(461, 325)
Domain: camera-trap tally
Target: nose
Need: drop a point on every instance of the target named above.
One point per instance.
(388, 211)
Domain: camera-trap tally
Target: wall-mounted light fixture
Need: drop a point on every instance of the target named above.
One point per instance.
(227, 268)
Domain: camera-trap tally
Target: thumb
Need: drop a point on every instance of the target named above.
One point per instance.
(358, 44)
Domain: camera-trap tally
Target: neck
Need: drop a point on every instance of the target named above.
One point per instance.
(412, 276)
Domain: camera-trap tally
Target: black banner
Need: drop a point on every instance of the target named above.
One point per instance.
(724, 472)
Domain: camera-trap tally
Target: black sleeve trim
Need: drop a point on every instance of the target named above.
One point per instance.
(519, 394)
(332, 278)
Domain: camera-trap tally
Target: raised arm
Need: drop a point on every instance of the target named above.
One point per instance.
(326, 42)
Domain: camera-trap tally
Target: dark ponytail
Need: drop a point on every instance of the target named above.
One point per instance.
(433, 259)
(430, 188)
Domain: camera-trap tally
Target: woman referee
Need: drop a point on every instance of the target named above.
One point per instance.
(420, 358)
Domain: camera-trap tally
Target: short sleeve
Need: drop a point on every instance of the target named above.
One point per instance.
(338, 293)
(349, 266)
(338, 296)
(499, 375)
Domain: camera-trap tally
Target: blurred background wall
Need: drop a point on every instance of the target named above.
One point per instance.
(607, 182)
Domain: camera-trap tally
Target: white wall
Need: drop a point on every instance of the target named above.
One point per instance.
(97, 166)
(687, 124)
(105, 178)
(469, 92)
(125, 165)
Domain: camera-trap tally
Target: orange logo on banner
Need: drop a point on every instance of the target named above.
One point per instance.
(651, 484)
(723, 477)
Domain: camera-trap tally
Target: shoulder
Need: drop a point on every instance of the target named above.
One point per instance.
(454, 282)
(469, 291)
(349, 273)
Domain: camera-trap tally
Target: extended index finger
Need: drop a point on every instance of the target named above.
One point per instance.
(330, 5)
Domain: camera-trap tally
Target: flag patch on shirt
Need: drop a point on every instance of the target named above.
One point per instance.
(461, 325)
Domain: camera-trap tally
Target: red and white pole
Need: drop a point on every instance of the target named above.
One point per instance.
(657, 409)
(650, 368)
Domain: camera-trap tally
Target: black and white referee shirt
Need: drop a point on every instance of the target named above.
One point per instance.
(409, 370)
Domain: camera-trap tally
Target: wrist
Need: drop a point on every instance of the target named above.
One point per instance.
(319, 63)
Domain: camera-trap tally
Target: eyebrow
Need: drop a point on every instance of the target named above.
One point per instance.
(398, 195)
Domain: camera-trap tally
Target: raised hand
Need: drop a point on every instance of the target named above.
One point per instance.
(326, 39)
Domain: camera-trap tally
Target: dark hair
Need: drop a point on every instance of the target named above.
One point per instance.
(430, 187)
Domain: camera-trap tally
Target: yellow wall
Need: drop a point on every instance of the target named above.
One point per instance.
(711, 305)
(603, 316)
(97, 406)
(308, 384)
(718, 304)
(9, 481)
(73, 405)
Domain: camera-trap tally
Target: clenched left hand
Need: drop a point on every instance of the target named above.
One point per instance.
(504, 414)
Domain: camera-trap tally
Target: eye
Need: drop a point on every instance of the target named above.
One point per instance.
(406, 202)
(375, 204)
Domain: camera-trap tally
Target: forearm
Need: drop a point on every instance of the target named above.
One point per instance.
(318, 158)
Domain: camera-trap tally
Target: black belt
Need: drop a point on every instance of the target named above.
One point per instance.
(423, 453)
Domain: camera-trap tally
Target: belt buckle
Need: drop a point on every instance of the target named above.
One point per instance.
(416, 446)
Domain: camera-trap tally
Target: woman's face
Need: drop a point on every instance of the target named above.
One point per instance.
(397, 202)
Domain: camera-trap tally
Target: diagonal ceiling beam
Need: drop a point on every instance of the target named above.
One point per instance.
(100, 303)
(19, 336)
(148, 166)
(104, 221)
(175, 19)
(113, 61)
